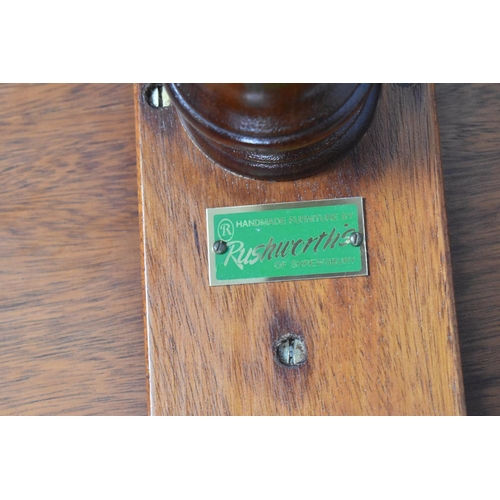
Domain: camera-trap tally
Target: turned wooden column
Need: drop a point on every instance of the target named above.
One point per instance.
(275, 131)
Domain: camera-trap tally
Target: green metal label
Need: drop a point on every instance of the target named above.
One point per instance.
(286, 241)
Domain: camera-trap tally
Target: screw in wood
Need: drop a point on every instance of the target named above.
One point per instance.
(356, 239)
(156, 95)
(220, 247)
(291, 350)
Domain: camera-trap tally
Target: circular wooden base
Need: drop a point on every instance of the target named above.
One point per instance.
(268, 145)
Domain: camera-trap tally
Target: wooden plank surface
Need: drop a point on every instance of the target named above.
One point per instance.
(70, 296)
(34, 381)
(469, 121)
(383, 344)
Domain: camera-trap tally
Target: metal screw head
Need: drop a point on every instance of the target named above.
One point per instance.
(356, 239)
(291, 350)
(157, 96)
(220, 247)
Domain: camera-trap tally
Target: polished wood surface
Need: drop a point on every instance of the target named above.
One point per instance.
(42, 331)
(382, 344)
(469, 121)
(70, 294)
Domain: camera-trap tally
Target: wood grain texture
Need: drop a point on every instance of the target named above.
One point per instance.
(33, 378)
(70, 295)
(469, 119)
(383, 344)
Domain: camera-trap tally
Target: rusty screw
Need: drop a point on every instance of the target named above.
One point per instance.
(220, 247)
(291, 350)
